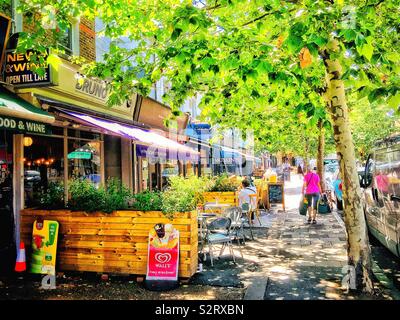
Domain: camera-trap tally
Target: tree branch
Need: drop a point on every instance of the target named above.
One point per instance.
(259, 18)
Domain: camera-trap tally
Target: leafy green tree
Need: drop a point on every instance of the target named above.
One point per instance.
(370, 122)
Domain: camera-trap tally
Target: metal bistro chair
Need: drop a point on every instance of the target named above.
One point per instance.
(254, 200)
(246, 217)
(219, 232)
(237, 225)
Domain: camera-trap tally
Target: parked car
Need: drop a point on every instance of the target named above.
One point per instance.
(381, 183)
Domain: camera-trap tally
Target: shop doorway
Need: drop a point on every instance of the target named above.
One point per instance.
(7, 242)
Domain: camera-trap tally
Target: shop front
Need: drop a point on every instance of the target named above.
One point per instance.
(80, 145)
(154, 167)
(42, 144)
(19, 121)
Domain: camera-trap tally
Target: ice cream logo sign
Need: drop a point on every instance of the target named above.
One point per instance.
(163, 257)
(163, 253)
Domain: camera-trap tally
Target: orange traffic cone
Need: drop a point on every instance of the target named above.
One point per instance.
(20, 265)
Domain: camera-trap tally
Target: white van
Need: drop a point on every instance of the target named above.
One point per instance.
(382, 193)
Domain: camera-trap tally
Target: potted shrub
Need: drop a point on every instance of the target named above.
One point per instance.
(223, 189)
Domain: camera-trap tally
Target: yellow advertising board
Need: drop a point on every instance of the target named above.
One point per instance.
(44, 247)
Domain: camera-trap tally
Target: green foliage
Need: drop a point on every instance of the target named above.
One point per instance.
(117, 196)
(370, 123)
(243, 57)
(223, 183)
(52, 197)
(184, 194)
(85, 196)
(147, 201)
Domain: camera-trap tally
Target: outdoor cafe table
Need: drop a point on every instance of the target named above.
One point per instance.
(214, 205)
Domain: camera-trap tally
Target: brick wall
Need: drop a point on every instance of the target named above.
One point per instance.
(87, 41)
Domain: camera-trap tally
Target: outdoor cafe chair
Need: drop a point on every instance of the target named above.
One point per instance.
(235, 214)
(219, 232)
(246, 217)
(254, 200)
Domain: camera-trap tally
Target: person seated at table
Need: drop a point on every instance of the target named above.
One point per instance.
(244, 195)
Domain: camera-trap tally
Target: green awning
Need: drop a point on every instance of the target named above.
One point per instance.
(15, 107)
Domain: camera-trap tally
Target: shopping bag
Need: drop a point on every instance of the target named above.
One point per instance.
(323, 206)
(303, 206)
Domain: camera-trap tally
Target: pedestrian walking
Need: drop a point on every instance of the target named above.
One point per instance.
(300, 170)
(312, 191)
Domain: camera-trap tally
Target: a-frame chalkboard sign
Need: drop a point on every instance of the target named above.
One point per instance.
(276, 194)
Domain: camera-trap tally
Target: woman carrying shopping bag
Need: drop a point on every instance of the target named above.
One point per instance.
(312, 190)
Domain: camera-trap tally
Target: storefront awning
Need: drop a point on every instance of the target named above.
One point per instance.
(14, 107)
(150, 139)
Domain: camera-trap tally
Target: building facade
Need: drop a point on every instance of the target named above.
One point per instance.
(57, 126)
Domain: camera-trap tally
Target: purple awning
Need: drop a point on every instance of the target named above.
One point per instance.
(155, 145)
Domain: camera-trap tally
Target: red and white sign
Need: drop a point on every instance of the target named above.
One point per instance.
(163, 256)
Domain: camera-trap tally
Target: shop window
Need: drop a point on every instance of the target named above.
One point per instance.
(6, 167)
(144, 174)
(84, 160)
(169, 169)
(43, 164)
(57, 131)
(153, 176)
(83, 134)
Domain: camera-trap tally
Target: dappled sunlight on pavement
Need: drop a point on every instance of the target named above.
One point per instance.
(304, 261)
(300, 261)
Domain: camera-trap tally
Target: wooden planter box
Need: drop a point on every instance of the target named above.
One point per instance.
(223, 197)
(112, 243)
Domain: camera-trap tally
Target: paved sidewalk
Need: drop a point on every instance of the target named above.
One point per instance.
(292, 259)
(304, 261)
(307, 260)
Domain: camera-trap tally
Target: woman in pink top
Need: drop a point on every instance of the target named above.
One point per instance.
(312, 190)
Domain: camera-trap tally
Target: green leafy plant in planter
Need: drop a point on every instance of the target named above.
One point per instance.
(223, 183)
(147, 201)
(183, 194)
(52, 197)
(117, 196)
(85, 196)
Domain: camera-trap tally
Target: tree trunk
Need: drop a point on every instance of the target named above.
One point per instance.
(321, 153)
(357, 237)
(307, 153)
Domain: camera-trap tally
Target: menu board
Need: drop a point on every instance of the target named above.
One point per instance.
(276, 194)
